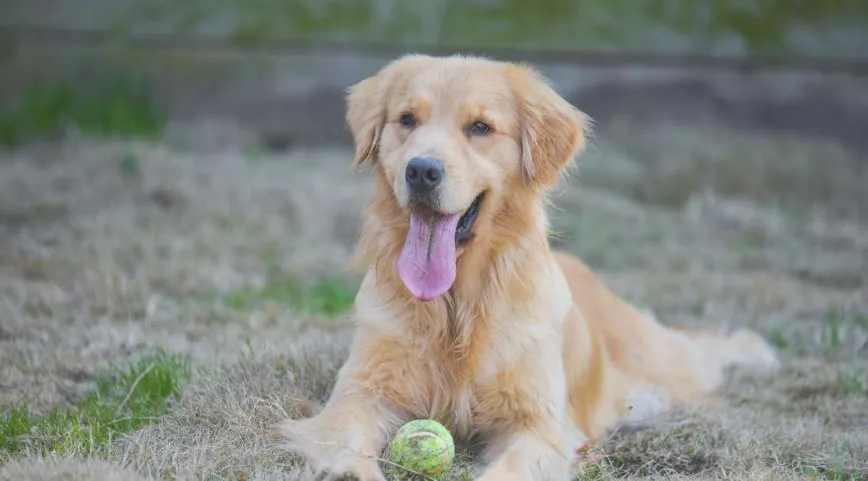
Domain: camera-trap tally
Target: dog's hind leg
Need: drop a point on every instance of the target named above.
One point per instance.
(693, 361)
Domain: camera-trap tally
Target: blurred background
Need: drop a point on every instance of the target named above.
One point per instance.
(279, 66)
(175, 175)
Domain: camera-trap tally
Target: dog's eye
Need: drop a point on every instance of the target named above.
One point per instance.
(408, 121)
(479, 128)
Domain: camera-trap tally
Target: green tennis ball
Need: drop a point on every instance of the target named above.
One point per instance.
(424, 446)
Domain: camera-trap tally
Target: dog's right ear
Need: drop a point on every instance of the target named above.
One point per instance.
(366, 115)
(366, 106)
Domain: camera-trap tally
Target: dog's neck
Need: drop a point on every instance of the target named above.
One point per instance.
(491, 270)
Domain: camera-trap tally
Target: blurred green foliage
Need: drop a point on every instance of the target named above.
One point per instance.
(117, 107)
(769, 27)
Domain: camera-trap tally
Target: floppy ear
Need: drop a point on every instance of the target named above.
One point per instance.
(366, 115)
(553, 131)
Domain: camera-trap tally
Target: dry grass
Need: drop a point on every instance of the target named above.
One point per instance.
(109, 250)
(48, 469)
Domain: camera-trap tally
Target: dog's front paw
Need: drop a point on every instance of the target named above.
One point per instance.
(498, 474)
(352, 467)
(325, 454)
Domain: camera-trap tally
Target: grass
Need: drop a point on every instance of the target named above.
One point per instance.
(121, 403)
(113, 107)
(329, 296)
(702, 228)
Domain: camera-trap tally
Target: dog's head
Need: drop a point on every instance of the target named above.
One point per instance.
(461, 143)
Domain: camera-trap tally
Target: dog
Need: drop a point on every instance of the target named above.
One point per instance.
(465, 313)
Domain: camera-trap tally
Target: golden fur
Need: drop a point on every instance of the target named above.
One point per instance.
(527, 353)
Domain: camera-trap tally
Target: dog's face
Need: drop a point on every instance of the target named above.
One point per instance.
(454, 137)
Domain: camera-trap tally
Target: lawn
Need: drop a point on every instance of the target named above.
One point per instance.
(160, 305)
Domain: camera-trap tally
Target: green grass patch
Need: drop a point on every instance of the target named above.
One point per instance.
(831, 472)
(852, 382)
(779, 339)
(130, 167)
(329, 296)
(113, 108)
(132, 397)
(832, 330)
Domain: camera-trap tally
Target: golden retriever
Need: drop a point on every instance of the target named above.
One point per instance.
(465, 314)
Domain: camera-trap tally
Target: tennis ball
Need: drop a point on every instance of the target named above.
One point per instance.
(424, 446)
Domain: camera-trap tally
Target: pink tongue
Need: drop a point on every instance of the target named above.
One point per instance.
(427, 262)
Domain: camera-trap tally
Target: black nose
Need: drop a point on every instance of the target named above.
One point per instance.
(423, 174)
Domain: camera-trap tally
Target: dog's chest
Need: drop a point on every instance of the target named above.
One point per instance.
(450, 395)
(456, 376)
(456, 393)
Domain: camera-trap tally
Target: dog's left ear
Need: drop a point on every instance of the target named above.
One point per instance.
(366, 115)
(553, 131)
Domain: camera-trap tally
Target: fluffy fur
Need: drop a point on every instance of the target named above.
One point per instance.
(528, 353)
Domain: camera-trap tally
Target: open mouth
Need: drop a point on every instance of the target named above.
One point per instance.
(464, 231)
(427, 264)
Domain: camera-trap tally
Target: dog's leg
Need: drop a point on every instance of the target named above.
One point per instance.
(532, 436)
(346, 437)
(538, 453)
